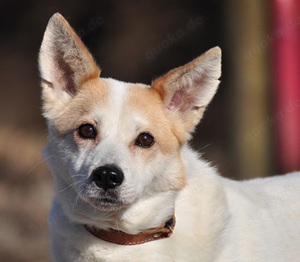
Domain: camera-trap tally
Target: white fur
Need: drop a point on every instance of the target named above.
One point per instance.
(217, 219)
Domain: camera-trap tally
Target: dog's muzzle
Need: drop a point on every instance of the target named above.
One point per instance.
(108, 177)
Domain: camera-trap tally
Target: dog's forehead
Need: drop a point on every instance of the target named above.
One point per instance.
(120, 92)
(128, 100)
(121, 111)
(129, 109)
(110, 103)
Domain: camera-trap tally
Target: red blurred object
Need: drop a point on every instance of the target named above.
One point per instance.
(286, 65)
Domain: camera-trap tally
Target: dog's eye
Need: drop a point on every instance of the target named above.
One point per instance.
(87, 131)
(144, 140)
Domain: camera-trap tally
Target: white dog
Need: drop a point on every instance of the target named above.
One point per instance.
(127, 186)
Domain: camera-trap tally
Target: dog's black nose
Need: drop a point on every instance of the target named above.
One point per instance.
(108, 177)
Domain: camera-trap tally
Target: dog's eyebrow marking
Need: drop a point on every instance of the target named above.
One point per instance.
(140, 123)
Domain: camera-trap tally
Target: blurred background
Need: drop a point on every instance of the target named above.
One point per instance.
(250, 130)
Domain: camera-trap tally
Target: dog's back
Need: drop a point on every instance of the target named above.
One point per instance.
(253, 220)
(263, 224)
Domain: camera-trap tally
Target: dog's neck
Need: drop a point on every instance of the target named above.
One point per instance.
(121, 238)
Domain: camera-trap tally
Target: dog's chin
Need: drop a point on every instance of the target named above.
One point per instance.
(107, 203)
(105, 200)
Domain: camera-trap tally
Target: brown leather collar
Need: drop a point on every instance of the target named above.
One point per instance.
(121, 238)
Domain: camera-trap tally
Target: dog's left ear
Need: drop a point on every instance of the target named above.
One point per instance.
(187, 90)
(65, 65)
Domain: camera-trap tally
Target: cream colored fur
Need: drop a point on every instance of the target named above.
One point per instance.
(217, 219)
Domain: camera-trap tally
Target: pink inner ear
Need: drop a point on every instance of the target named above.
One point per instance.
(176, 100)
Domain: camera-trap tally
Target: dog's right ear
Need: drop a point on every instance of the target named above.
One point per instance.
(65, 64)
(187, 90)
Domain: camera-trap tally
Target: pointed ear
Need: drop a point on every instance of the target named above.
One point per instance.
(64, 63)
(187, 90)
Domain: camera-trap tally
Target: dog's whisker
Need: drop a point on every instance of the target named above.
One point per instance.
(80, 194)
(69, 186)
(77, 175)
(204, 147)
(64, 189)
(38, 164)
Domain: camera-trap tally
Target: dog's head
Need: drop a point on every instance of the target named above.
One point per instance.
(112, 143)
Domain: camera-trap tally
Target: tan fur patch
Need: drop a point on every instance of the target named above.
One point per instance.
(91, 94)
(168, 134)
(148, 103)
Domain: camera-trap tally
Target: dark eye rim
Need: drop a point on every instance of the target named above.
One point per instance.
(137, 143)
(79, 132)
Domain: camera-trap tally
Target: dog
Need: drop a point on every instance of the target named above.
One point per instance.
(127, 185)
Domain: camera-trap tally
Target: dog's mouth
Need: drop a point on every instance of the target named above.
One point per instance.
(112, 199)
(104, 200)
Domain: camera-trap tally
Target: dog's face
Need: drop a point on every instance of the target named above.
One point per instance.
(110, 142)
(115, 143)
